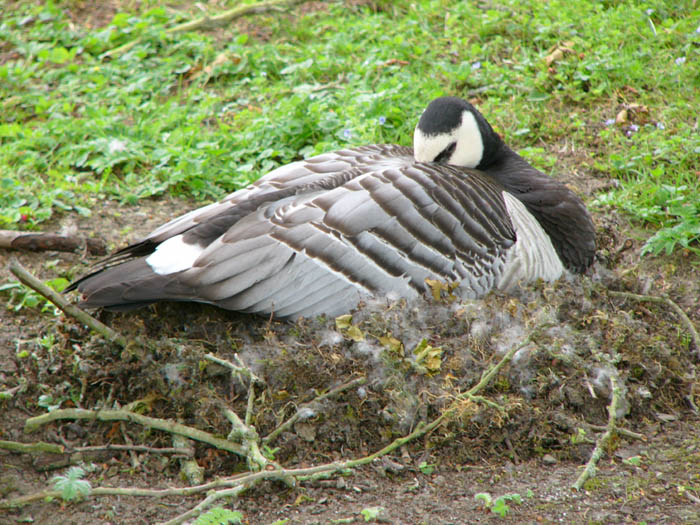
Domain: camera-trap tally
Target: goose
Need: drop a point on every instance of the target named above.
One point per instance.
(319, 235)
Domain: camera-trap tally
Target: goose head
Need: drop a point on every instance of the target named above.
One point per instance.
(452, 131)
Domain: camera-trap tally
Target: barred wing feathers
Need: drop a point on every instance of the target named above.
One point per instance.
(316, 236)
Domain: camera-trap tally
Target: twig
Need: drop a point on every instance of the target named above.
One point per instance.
(621, 431)
(214, 21)
(293, 419)
(604, 440)
(601, 428)
(189, 468)
(250, 405)
(249, 440)
(32, 448)
(235, 369)
(124, 415)
(10, 392)
(56, 298)
(42, 241)
(668, 301)
(135, 463)
(180, 451)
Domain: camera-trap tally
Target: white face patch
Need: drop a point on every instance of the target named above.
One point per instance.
(173, 255)
(427, 147)
(469, 145)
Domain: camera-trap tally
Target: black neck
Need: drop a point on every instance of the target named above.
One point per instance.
(560, 212)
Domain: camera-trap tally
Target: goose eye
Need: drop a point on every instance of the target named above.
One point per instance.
(445, 154)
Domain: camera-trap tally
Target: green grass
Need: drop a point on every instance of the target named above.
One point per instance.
(203, 113)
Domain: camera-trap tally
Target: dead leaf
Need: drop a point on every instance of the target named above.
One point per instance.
(355, 333)
(428, 356)
(392, 344)
(442, 291)
(621, 117)
(558, 53)
(554, 56)
(343, 322)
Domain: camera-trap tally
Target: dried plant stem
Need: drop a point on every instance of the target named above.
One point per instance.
(180, 451)
(622, 431)
(32, 448)
(125, 415)
(235, 369)
(293, 419)
(56, 298)
(206, 22)
(43, 241)
(604, 440)
(663, 300)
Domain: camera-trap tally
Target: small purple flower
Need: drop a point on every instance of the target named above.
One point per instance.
(649, 12)
(476, 65)
(680, 61)
(631, 130)
(660, 125)
(610, 122)
(347, 133)
(382, 120)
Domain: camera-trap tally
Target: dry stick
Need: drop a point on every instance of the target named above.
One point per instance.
(32, 448)
(180, 451)
(42, 447)
(125, 415)
(603, 441)
(42, 241)
(56, 298)
(249, 438)
(189, 468)
(289, 422)
(601, 428)
(666, 300)
(217, 20)
(161, 493)
(235, 369)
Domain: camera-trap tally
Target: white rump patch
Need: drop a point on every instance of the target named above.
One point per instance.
(532, 256)
(173, 255)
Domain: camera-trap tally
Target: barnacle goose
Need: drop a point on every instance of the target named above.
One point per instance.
(316, 236)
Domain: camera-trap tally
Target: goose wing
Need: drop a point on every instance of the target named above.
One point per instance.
(315, 237)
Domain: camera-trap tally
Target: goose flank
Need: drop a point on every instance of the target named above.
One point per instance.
(319, 235)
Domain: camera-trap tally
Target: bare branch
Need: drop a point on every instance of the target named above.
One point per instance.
(125, 415)
(56, 298)
(41, 241)
(32, 448)
(604, 440)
